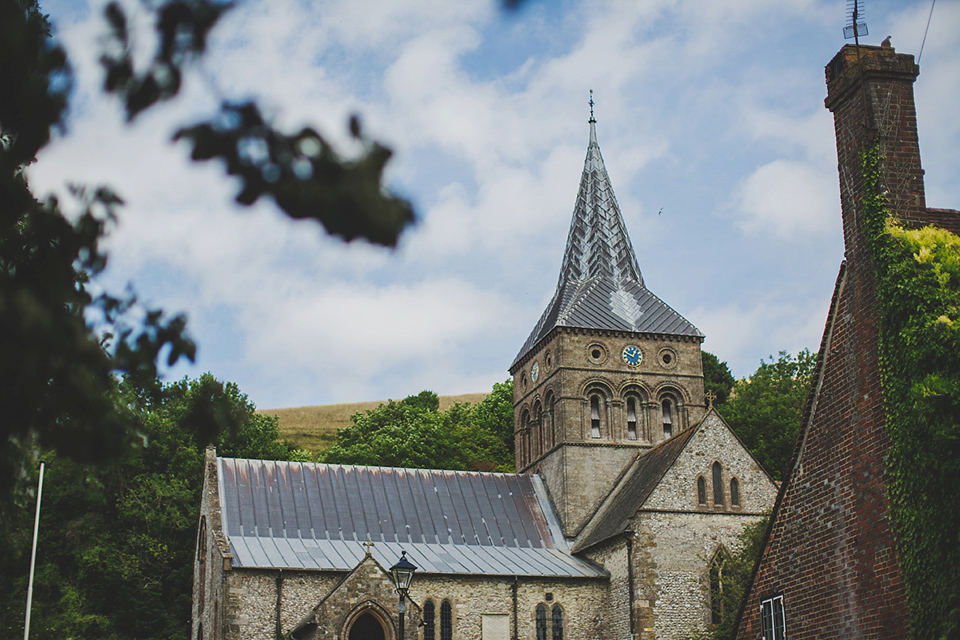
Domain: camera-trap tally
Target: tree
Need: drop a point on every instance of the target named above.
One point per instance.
(415, 433)
(118, 539)
(735, 574)
(765, 409)
(61, 346)
(716, 377)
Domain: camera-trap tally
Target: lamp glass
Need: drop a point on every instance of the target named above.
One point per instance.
(403, 572)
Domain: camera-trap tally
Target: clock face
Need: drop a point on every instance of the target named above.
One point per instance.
(632, 355)
(535, 371)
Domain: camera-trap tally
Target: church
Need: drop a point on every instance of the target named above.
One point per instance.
(629, 495)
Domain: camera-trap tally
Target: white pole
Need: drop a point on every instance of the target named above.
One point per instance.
(33, 557)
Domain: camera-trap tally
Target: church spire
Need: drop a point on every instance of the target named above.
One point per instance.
(598, 244)
(600, 285)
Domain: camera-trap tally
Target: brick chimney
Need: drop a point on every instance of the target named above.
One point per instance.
(870, 93)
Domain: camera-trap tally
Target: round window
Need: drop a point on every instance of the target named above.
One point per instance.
(667, 358)
(597, 353)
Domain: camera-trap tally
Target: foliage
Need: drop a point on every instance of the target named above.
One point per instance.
(116, 542)
(55, 373)
(918, 294)
(415, 433)
(61, 344)
(765, 409)
(736, 576)
(716, 377)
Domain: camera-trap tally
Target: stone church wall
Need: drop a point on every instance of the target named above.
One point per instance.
(714, 442)
(614, 556)
(251, 602)
(578, 477)
(679, 547)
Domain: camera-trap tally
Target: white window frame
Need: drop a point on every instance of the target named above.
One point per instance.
(772, 628)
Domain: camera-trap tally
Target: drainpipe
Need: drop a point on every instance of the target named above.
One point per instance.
(630, 582)
(279, 599)
(513, 588)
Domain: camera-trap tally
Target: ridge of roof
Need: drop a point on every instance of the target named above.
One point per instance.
(633, 490)
(600, 284)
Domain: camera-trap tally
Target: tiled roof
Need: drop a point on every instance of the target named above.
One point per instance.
(600, 285)
(639, 481)
(317, 516)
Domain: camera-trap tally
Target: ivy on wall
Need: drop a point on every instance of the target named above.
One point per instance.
(918, 297)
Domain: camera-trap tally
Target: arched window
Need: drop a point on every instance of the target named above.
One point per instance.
(541, 622)
(701, 491)
(200, 631)
(716, 588)
(538, 447)
(594, 416)
(631, 418)
(446, 621)
(202, 541)
(734, 492)
(557, 622)
(523, 447)
(717, 485)
(666, 412)
(429, 620)
(551, 419)
(201, 561)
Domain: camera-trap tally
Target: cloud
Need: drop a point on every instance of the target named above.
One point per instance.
(365, 329)
(789, 198)
(744, 333)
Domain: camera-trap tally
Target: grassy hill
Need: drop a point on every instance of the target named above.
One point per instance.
(314, 428)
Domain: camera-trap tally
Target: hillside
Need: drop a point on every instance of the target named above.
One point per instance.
(314, 428)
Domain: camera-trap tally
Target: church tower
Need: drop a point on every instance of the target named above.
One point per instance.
(609, 370)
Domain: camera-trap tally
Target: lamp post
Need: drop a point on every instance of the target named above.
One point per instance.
(402, 577)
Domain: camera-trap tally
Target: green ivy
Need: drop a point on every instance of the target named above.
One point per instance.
(918, 298)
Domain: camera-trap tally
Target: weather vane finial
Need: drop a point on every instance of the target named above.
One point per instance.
(592, 119)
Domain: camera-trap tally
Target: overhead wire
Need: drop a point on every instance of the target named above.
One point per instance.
(920, 55)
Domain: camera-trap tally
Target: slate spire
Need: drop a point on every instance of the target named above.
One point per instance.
(600, 284)
(598, 244)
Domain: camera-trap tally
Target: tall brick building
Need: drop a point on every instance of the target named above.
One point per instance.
(829, 567)
(631, 492)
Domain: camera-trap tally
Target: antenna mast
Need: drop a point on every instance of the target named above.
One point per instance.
(857, 26)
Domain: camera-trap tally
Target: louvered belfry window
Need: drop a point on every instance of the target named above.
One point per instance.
(632, 418)
(594, 416)
(666, 410)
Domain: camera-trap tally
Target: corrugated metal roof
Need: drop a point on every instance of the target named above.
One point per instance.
(317, 516)
(600, 285)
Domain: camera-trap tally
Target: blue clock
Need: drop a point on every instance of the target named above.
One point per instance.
(632, 355)
(535, 371)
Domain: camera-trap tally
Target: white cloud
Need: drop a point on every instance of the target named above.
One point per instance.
(365, 329)
(788, 198)
(702, 107)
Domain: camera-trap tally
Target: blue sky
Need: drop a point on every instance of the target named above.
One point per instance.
(711, 122)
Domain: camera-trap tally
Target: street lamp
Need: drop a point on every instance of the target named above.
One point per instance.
(402, 576)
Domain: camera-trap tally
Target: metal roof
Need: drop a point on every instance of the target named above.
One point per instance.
(317, 516)
(600, 285)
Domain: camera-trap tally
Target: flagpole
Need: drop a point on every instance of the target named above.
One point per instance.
(33, 556)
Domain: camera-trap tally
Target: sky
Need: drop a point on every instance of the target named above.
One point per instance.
(710, 119)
